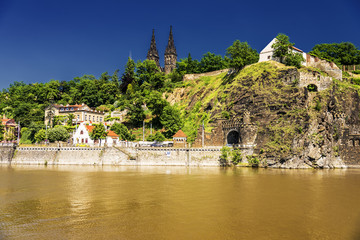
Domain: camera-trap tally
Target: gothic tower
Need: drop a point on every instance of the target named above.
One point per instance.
(170, 54)
(153, 52)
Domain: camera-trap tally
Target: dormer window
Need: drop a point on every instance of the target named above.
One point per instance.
(67, 109)
(61, 109)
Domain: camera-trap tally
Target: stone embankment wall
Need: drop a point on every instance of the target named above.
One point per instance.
(112, 156)
(179, 156)
(188, 77)
(6, 153)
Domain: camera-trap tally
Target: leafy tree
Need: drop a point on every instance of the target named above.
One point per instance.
(282, 46)
(147, 71)
(159, 137)
(294, 59)
(188, 65)
(283, 50)
(122, 131)
(58, 133)
(2, 132)
(345, 53)
(40, 135)
(25, 136)
(241, 54)
(129, 75)
(70, 118)
(98, 132)
(171, 121)
(211, 62)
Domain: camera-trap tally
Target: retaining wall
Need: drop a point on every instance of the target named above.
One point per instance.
(115, 156)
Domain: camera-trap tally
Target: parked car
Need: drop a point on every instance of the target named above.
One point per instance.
(157, 144)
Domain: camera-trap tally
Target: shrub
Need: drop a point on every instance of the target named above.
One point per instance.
(224, 157)
(253, 160)
(236, 156)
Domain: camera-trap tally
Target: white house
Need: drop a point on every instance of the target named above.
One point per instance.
(82, 136)
(267, 53)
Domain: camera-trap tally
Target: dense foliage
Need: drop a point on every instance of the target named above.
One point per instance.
(283, 51)
(344, 53)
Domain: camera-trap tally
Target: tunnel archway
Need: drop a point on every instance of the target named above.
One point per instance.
(312, 88)
(233, 137)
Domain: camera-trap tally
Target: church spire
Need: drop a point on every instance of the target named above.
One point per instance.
(170, 48)
(153, 52)
(170, 54)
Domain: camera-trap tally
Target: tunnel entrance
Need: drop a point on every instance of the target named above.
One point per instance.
(233, 137)
(312, 88)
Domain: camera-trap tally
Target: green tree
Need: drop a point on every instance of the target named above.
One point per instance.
(129, 75)
(70, 118)
(122, 131)
(241, 54)
(282, 46)
(2, 132)
(40, 135)
(345, 53)
(98, 132)
(211, 62)
(58, 133)
(188, 65)
(283, 50)
(159, 137)
(171, 120)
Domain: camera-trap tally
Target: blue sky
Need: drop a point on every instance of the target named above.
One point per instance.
(42, 40)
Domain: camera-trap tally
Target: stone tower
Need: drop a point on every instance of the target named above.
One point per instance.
(153, 52)
(170, 54)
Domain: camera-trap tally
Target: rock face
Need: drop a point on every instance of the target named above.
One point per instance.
(295, 128)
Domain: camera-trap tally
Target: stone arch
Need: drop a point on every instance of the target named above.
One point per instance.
(233, 137)
(312, 87)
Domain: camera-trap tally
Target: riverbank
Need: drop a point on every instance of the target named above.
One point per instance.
(111, 156)
(146, 156)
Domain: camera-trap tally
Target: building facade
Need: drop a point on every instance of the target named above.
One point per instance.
(82, 136)
(82, 113)
(10, 129)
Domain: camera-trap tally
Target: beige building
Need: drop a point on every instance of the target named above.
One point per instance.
(82, 113)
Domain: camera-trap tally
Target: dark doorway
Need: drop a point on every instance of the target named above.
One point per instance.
(233, 137)
(312, 88)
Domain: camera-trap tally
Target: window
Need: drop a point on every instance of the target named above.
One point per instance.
(100, 119)
(269, 57)
(78, 116)
(97, 118)
(72, 109)
(93, 118)
(67, 109)
(61, 109)
(85, 117)
(81, 132)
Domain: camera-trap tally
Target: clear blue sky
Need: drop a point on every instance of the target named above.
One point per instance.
(44, 39)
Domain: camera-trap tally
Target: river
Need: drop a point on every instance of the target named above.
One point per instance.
(91, 202)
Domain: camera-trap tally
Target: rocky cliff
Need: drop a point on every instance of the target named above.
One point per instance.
(298, 125)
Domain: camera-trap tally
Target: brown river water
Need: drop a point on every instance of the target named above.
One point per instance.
(82, 202)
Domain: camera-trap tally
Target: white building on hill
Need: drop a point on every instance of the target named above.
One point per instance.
(267, 53)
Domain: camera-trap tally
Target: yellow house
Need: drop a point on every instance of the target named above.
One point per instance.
(82, 113)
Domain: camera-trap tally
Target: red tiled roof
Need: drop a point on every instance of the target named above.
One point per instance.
(6, 121)
(180, 134)
(296, 49)
(112, 134)
(89, 128)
